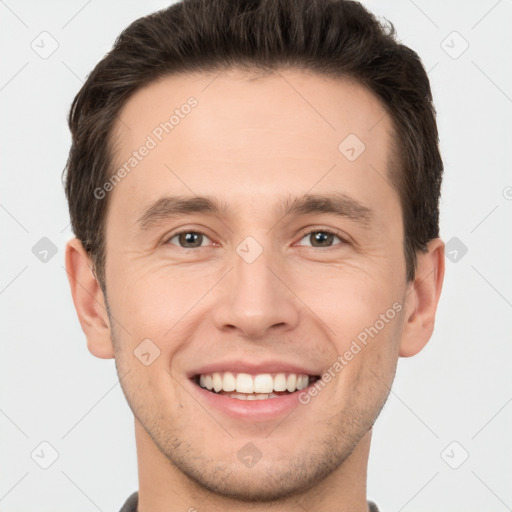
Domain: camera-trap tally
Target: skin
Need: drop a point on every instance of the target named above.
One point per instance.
(250, 141)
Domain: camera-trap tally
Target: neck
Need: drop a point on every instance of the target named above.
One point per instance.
(164, 488)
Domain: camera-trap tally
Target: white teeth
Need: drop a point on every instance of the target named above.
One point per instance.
(280, 382)
(240, 396)
(228, 382)
(259, 396)
(244, 383)
(263, 383)
(253, 386)
(217, 382)
(291, 381)
(302, 381)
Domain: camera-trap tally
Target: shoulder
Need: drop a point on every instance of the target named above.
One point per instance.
(130, 505)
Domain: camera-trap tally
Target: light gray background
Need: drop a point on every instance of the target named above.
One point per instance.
(458, 389)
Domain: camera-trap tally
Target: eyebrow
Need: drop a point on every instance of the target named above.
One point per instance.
(335, 203)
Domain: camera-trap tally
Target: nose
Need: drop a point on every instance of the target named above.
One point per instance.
(257, 300)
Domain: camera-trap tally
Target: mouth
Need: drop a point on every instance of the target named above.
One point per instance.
(246, 386)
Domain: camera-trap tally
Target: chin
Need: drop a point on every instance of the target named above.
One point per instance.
(273, 478)
(258, 484)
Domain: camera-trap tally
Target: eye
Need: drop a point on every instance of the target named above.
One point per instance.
(188, 239)
(318, 238)
(321, 238)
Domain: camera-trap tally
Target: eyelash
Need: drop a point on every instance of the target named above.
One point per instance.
(329, 231)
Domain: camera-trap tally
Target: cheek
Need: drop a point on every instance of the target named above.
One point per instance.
(370, 353)
(155, 301)
(348, 297)
(364, 315)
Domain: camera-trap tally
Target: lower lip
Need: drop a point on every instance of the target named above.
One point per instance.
(251, 409)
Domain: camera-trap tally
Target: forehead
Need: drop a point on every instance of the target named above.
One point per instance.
(209, 133)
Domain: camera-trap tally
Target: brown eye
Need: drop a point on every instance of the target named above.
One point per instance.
(188, 239)
(320, 238)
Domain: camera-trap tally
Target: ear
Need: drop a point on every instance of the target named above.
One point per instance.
(89, 300)
(422, 299)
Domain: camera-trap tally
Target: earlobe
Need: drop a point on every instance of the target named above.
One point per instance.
(89, 300)
(422, 299)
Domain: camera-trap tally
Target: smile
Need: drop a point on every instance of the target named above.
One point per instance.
(262, 386)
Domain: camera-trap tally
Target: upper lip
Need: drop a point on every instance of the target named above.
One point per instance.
(252, 367)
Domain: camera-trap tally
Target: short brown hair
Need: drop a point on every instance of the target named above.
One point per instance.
(335, 38)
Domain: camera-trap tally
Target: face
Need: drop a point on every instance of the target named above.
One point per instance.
(255, 249)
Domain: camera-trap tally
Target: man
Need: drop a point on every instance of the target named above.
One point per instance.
(254, 190)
